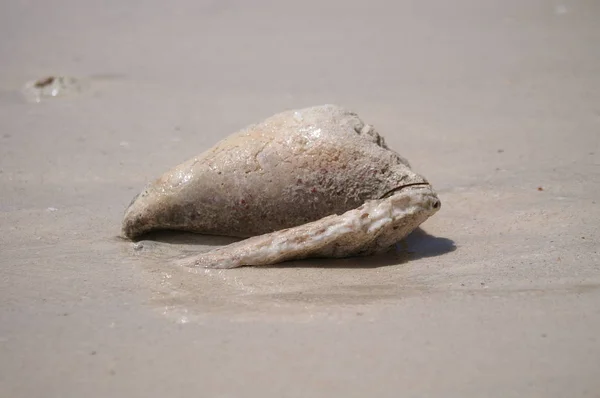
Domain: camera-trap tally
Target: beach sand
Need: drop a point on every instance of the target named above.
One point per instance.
(497, 103)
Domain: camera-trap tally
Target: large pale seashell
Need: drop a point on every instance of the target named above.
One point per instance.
(315, 182)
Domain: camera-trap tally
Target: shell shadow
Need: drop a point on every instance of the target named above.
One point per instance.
(419, 244)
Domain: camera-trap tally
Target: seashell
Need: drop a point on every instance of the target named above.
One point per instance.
(314, 182)
(53, 86)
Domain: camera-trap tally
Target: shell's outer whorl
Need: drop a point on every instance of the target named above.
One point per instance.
(293, 168)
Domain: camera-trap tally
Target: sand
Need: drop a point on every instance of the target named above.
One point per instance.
(496, 102)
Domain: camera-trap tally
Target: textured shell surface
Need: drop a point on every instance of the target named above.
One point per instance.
(290, 178)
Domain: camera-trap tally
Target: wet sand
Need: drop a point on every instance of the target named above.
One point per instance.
(497, 103)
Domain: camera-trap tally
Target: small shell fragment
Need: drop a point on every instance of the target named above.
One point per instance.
(314, 182)
(52, 86)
